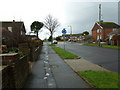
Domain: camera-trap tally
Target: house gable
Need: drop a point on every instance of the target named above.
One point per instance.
(17, 30)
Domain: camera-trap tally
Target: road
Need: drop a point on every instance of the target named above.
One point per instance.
(105, 57)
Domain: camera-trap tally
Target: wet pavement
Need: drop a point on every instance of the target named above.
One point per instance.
(50, 71)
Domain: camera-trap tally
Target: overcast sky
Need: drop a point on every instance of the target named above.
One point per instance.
(80, 14)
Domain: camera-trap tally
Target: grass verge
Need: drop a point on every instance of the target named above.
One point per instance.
(52, 45)
(101, 79)
(64, 54)
(113, 47)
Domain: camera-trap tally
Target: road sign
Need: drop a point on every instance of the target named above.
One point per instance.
(64, 31)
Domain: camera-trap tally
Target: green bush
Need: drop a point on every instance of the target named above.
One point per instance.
(15, 50)
(36, 42)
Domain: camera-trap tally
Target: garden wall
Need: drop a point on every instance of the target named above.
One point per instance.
(17, 69)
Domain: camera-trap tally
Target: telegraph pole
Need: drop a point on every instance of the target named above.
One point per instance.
(99, 23)
(119, 12)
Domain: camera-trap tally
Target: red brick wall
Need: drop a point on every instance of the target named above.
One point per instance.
(94, 32)
(94, 35)
(15, 73)
(106, 32)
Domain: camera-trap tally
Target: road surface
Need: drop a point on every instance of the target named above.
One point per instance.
(105, 57)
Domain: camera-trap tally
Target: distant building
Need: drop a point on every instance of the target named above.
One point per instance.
(105, 29)
(13, 32)
(73, 37)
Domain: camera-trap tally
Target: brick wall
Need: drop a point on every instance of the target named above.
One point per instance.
(15, 73)
(94, 32)
(17, 69)
(35, 49)
(94, 35)
(106, 32)
(5, 78)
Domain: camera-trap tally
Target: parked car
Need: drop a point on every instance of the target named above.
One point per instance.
(69, 40)
(54, 42)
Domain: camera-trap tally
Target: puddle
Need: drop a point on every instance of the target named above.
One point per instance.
(45, 77)
(46, 56)
(45, 61)
(47, 74)
(54, 66)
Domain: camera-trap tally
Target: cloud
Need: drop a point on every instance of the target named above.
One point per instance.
(80, 14)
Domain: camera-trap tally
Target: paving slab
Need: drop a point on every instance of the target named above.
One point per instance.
(83, 65)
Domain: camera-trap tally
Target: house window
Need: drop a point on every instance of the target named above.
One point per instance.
(10, 29)
(114, 29)
(98, 37)
(99, 31)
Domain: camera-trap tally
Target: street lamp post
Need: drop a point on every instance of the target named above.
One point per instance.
(70, 30)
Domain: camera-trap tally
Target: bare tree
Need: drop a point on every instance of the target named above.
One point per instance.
(51, 24)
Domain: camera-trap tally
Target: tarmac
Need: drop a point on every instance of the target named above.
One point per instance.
(51, 71)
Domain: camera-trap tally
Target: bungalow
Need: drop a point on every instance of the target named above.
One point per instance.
(15, 29)
(103, 29)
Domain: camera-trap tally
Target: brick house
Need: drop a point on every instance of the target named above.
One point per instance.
(105, 29)
(16, 32)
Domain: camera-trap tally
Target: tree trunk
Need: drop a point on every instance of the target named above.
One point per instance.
(37, 34)
(51, 37)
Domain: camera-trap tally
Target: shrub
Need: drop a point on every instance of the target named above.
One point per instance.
(16, 50)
